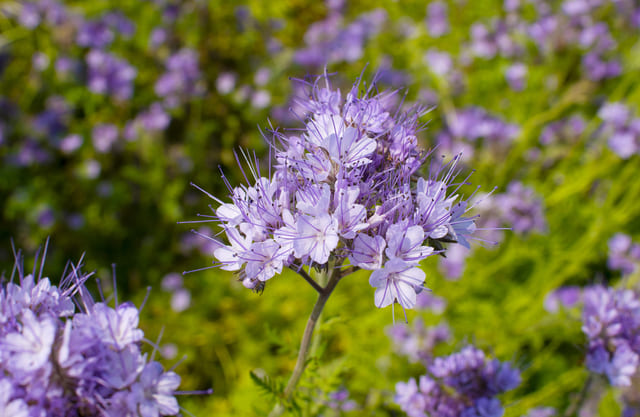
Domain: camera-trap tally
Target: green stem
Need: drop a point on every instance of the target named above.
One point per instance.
(301, 362)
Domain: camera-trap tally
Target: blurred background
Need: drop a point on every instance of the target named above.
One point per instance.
(110, 109)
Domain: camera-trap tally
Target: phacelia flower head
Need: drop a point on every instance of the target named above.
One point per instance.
(64, 354)
(611, 321)
(344, 192)
(465, 383)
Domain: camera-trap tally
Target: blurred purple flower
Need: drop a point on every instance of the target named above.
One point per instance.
(104, 136)
(110, 75)
(439, 63)
(95, 34)
(226, 82)
(181, 79)
(437, 19)
(516, 76)
(565, 297)
(418, 341)
(624, 255)
(158, 37)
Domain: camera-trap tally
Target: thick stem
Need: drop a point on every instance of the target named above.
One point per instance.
(301, 362)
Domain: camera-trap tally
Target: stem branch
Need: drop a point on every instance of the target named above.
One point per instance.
(310, 280)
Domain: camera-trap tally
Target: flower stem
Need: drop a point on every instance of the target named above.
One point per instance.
(301, 362)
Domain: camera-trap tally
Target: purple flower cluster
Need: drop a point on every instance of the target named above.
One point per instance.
(154, 119)
(55, 360)
(578, 24)
(467, 126)
(621, 128)
(562, 130)
(463, 384)
(330, 41)
(339, 401)
(110, 75)
(345, 188)
(418, 341)
(521, 208)
(611, 321)
(181, 79)
(100, 33)
(624, 255)
(32, 14)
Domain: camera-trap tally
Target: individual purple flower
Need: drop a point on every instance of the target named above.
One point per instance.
(158, 37)
(155, 392)
(611, 321)
(226, 82)
(397, 282)
(344, 189)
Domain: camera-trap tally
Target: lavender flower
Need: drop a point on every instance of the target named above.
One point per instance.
(55, 360)
(345, 189)
(611, 321)
(465, 383)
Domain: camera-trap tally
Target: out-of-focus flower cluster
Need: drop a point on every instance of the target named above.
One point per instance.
(624, 254)
(519, 209)
(417, 341)
(611, 321)
(621, 129)
(345, 188)
(463, 384)
(63, 354)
